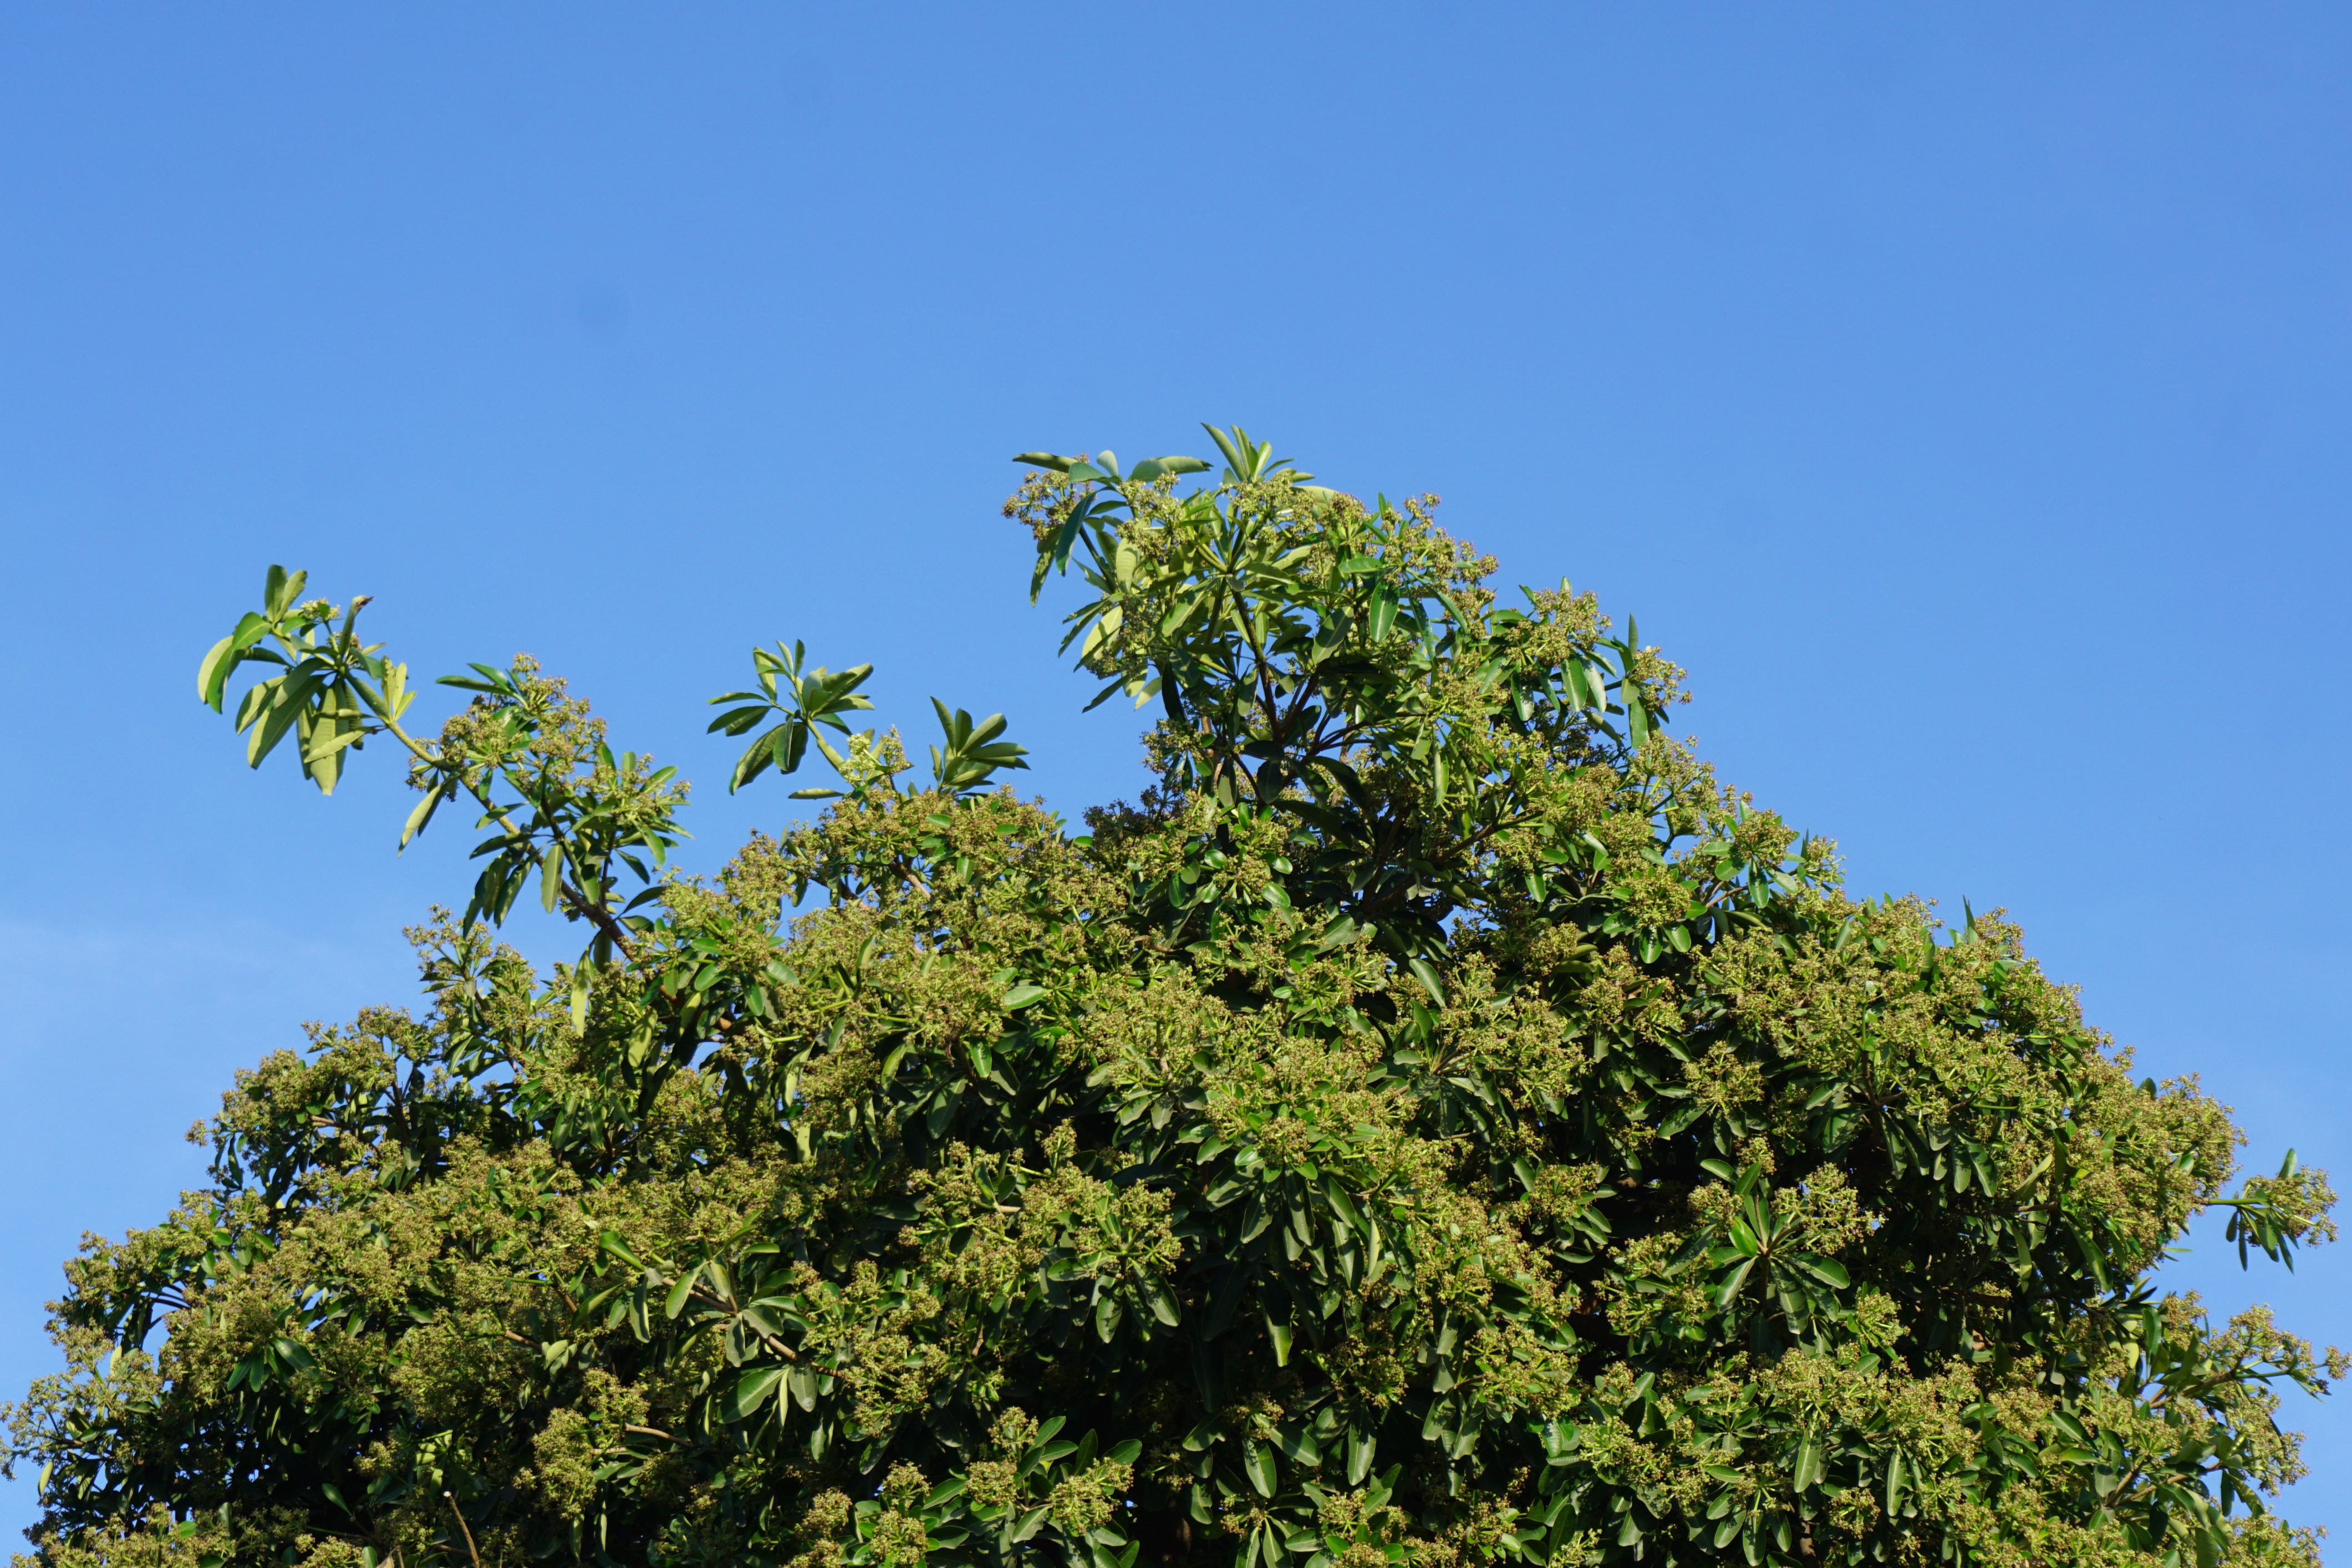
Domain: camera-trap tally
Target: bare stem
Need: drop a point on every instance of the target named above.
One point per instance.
(462, 1525)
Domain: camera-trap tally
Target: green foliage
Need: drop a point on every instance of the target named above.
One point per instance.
(817, 699)
(1438, 1122)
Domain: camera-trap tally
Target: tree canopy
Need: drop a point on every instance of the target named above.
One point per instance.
(1436, 1123)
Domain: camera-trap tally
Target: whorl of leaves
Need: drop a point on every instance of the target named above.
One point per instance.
(1439, 1123)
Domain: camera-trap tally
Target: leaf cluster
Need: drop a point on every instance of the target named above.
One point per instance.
(1437, 1122)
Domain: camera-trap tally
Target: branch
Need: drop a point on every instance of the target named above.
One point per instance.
(594, 914)
(471, 1551)
(656, 1432)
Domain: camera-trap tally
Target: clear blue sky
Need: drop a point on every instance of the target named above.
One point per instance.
(1960, 393)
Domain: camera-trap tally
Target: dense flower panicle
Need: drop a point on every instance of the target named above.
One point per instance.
(1437, 1122)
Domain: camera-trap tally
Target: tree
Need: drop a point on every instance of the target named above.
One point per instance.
(1437, 1122)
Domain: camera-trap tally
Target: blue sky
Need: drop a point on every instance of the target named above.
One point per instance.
(1960, 393)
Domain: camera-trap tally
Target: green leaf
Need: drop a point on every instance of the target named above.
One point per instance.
(735, 721)
(1153, 467)
(289, 699)
(422, 815)
(973, 752)
(1362, 1447)
(1257, 1464)
(1809, 1468)
(397, 695)
(550, 877)
(1341, 1205)
(327, 745)
(212, 675)
(753, 1390)
(1732, 1281)
(488, 679)
(1828, 1270)
(805, 1383)
(280, 590)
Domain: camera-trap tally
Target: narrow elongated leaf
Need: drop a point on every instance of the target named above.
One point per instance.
(754, 1390)
(1828, 1270)
(1808, 1469)
(1279, 1335)
(1257, 1463)
(421, 814)
(212, 675)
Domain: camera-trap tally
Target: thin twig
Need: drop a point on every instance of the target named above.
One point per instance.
(471, 1551)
